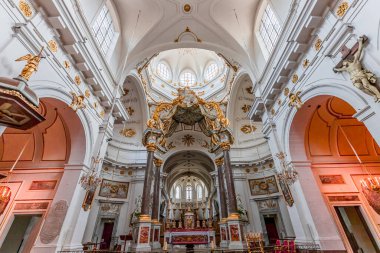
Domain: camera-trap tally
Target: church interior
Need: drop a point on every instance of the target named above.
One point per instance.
(189, 126)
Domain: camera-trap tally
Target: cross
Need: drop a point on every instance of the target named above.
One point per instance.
(348, 53)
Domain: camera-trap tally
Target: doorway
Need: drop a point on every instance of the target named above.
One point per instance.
(107, 234)
(356, 229)
(22, 234)
(271, 227)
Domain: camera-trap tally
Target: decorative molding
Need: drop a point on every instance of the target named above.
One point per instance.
(128, 132)
(247, 129)
(52, 44)
(342, 9)
(25, 8)
(187, 31)
(188, 140)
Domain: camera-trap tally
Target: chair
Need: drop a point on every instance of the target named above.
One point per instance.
(255, 242)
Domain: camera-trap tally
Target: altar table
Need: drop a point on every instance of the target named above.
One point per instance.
(189, 236)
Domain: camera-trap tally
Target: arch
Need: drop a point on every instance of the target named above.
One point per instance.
(328, 87)
(86, 122)
(340, 152)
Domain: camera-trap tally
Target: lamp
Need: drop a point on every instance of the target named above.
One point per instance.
(5, 196)
(288, 173)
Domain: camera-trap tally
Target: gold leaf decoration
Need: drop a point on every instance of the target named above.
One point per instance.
(53, 46)
(249, 89)
(102, 113)
(286, 91)
(342, 9)
(247, 129)
(246, 108)
(87, 93)
(273, 111)
(318, 44)
(305, 63)
(128, 132)
(95, 105)
(188, 140)
(77, 80)
(130, 111)
(295, 78)
(25, 8)
(66, 64)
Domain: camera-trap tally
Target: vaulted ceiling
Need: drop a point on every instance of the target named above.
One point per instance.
(151, 26)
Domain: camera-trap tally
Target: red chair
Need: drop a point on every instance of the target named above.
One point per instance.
(278, 247)
(292, 246)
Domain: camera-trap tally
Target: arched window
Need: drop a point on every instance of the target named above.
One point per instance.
(189, 191)
(187, 78)
(269, 28)
(163, 71)
(199, 192)
(211, 71)
(177, 192)
(103, 30)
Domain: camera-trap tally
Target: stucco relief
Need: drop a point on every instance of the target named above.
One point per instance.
(54, 221)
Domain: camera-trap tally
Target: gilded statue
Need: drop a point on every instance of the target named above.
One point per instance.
(77, 102)
(361, 78)
(295, 100)
(31, 66)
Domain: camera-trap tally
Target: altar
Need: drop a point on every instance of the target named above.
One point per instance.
(190, 236)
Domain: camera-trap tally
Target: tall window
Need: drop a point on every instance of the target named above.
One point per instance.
(187, 78)
(211, 71)
(177, 192)
(269, 28)
(189, 191)
(103, 30)
(199, 192)
(163, 71)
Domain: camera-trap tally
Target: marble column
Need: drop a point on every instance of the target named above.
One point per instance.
(156, 226)
(232, 204)
(234, 224)
(156, 190)
(147, 182)
(222, 190)
(145, 223)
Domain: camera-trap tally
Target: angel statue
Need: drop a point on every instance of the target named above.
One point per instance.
(32, 62)
(362, 78)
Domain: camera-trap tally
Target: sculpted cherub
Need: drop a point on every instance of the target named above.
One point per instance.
(32, 62)
(361, 78)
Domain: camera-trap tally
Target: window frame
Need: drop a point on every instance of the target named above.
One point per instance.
(216, 71)
(109, 34)
(187, 71)
(269, 25)
(162, 63)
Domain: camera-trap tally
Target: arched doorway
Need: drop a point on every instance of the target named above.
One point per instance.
(336, 152)
(40, 178)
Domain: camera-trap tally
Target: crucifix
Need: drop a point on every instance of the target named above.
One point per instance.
(361, 78)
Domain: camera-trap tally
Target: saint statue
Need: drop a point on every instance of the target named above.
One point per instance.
(361, 78)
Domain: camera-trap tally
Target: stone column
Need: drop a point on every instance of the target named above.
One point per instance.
(222, 190)
(145, 222)
(233, 221)
(156, 227)
(147, 182)
(232, 204)
(156, 190)
(223, 204)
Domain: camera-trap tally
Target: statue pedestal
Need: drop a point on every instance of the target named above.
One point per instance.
(144, 231)
(223, 226)
(156, 229)
(235, 232)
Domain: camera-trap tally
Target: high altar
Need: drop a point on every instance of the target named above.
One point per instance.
(189, 229)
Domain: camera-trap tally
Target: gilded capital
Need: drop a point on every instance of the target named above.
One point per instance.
(151, 147)
(157, 162)
(225, 145)
(219, 161)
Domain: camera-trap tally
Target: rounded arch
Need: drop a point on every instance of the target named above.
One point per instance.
(63, 99)
(326, 87)
(148, 52)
